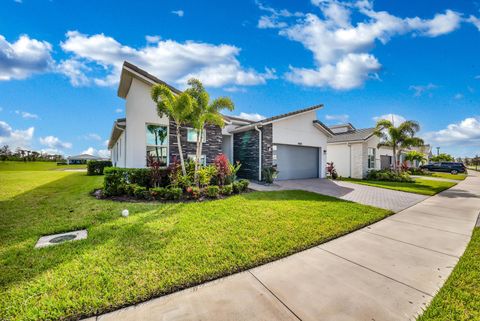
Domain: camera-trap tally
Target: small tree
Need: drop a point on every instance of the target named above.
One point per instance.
(205, 112)
(398, 138)
(443, 157)
(176, 107)
(414, 155)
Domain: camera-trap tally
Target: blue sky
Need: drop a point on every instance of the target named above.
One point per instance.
(60, 60)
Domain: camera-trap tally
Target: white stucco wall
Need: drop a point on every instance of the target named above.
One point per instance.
(140, 110)
(117, 154)
(300, 131)
(339, 155)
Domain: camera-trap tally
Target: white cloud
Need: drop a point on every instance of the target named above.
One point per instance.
(440, 24)
(179, 13)
(119, 110)
(272, 19)
(341, 48)
(92, 136)
(153, 39)
(421, 89)
(348, 73)
(235, 89)
(396, 119)
(458, 96)
(54, 142)
(340, 118)
(466, 132)
(266, 22)
(171, 61)
(24, 57)
(475, 21)
(104, 153)
(15, 137)
(26, 114)
(251, 116)
(75, 70)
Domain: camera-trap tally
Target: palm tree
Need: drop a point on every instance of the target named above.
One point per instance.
(205, 112)
(176, 107)
(414, 155)
(398, 138)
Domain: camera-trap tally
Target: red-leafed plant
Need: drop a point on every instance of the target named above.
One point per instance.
(332, 172)
(223, 168)
(157, 170)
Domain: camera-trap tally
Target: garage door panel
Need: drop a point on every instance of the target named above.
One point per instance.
(296, 162)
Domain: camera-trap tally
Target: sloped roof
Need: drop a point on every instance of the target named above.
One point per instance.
(129, 71)
(118, 127)
(83, 156)
(353, 135)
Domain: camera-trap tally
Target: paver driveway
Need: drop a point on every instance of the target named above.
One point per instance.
(386, 271)
(363, 194)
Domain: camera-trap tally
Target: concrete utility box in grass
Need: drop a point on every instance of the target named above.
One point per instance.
(55, 239)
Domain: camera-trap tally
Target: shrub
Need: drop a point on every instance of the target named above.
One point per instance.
(269, 174)
(237, 187)
(223, 168)
(173, 193)
(96, 167)
(205, 174)
(212, 191)
(158, 174)
(158, 193)
(243, 184)
(389, 175)
(227, 189)
(332, 172)
(140, 192)
(193, 192)
(115, 177)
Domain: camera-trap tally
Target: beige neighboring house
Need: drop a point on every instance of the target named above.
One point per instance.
(355, 151)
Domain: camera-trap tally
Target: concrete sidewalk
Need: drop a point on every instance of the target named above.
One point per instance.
(387, 271)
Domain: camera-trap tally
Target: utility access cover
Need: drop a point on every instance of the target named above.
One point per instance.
(61, 238)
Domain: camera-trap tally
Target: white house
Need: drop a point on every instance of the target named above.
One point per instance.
(295, 142)
(355, 151)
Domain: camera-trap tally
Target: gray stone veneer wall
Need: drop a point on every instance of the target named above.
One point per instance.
(245, 150)
(211, 148)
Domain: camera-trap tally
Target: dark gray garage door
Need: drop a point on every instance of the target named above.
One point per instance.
(294, 162)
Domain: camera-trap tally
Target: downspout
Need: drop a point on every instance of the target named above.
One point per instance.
(259, 153)
(350, 160)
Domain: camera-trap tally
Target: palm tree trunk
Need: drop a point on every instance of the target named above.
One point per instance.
(182, 162)
(394, 158)
(197, 158)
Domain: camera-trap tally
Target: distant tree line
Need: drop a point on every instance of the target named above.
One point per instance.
(25, 155)
(470, 161)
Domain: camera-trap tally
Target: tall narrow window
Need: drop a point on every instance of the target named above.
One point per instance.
(371, 158)
(157, 143)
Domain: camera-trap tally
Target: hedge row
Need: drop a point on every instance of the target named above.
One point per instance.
(97, 167)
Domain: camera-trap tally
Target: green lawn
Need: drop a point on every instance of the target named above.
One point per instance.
(459, 298)
(420, 186)
(458, 177)
(160, 248)
(36, 166)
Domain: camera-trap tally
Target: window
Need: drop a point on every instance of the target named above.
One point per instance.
(203, 159)
(371, 158)
(157, 143)
(192, 136)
